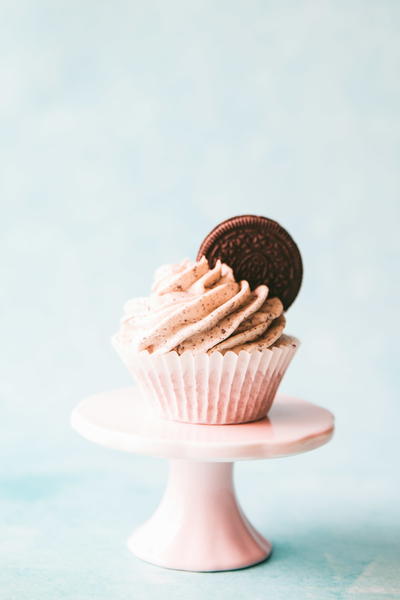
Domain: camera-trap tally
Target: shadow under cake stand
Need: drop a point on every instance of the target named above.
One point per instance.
(199, 525)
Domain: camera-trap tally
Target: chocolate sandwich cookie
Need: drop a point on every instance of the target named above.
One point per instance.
(258, 250)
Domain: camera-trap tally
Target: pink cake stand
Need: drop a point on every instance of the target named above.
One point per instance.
(199, 525)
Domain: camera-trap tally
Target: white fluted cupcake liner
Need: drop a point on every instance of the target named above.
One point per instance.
(213, 389)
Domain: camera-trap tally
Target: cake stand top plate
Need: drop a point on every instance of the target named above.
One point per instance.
(122, 419)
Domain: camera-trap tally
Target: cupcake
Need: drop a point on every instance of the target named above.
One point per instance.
(205, 346)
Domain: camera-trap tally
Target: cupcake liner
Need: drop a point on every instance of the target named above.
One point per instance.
(213, 389)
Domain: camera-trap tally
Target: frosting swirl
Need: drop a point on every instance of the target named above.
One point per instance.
(201, 309)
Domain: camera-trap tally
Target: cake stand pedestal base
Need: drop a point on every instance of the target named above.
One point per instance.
(199, 525)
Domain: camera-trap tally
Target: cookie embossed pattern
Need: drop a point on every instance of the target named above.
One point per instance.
(258, 250)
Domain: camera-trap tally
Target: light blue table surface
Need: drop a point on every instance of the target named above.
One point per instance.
(128, 130)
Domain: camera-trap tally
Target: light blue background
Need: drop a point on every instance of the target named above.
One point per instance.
(128, 130)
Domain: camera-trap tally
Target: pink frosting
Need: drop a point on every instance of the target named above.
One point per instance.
(201, 309)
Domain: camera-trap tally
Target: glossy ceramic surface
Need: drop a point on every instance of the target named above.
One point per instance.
(123, 420)
(199, 525)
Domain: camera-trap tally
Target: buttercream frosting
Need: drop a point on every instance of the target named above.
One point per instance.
(193, 307)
